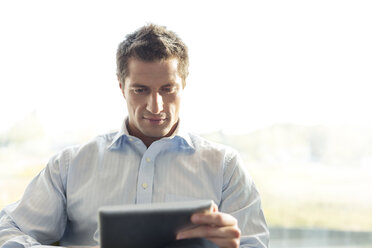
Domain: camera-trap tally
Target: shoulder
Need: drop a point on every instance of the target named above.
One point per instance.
(227, 157)
(207, 146)
(91, 147)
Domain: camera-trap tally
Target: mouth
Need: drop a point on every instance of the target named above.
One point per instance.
(155, 120)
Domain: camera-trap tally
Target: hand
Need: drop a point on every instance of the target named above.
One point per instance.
(83, 246)
(220, 228)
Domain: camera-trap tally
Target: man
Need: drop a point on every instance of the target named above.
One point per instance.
(151, 159)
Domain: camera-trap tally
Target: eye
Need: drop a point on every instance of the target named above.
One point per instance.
(140, 90)
(169, 89)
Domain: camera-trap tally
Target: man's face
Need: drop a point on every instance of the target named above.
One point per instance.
(153, 94)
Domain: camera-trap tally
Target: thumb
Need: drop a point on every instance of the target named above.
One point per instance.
(214, 207)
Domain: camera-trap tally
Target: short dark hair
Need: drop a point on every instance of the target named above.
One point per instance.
(151, 43)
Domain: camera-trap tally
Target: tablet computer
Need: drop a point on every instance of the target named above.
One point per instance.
(146, 225)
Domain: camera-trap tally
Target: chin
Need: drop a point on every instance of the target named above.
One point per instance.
(156, 134)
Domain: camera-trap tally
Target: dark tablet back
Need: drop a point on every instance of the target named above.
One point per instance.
(146, 225)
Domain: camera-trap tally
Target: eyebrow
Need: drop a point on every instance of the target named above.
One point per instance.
(169, 84)
(136, 85)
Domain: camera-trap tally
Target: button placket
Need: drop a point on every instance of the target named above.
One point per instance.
(146, 177)
(146, 172)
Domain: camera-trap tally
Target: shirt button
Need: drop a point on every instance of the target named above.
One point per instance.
(148, 160)
(144, 185)
(130, 139)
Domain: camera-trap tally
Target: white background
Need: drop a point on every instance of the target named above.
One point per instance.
(253, 63)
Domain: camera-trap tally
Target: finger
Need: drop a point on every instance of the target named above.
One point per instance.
(214, 207)
(228, 232)
(225, 243)
(217, 219)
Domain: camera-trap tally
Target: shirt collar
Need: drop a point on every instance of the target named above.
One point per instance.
(123, 133)
(180, 134)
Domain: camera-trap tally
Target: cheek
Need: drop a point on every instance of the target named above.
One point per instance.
(174, 106)
(135, 105)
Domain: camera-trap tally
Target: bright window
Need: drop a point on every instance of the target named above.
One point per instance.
(287, 83)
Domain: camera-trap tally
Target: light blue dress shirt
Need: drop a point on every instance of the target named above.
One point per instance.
(61, 203)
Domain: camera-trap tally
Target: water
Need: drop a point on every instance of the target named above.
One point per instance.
(318, 238)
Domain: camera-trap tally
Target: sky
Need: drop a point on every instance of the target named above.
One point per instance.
(252, 63)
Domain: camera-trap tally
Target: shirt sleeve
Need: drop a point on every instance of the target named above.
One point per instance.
(40, 216)
(241, 199)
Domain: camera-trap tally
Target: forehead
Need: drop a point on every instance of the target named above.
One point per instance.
(153, 73)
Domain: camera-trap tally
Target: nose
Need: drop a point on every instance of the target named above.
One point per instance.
(155, 103)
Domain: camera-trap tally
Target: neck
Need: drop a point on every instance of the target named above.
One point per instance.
(148, 140)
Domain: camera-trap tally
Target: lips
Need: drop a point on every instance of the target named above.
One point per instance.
(155, 120)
